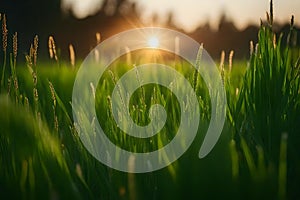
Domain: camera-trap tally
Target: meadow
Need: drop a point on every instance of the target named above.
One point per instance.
(257, 156)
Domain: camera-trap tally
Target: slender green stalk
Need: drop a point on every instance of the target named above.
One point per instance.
(249, 158)
(3, 70)
(196, 72)
(4, 43)
(282, 171)
(234, 160)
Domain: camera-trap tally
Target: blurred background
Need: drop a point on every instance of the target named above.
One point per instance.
(220, 24)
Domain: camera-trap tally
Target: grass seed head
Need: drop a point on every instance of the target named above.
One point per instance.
(98, 38)
(251, 48)
(222, 69)
(52, 48)
(109, 102)
(268, 18)
(31, 51)
(222, 60)
(28, 60)
(16, 84)
(72, 54)
(35, 94)
(26, 102)
(34, 78)
(35, 49)
(52, 93)
(96, 55)
(230, 60)
(4, 33)
(55, 123)
(15, 45)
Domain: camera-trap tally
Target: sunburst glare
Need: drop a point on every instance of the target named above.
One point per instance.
(153, 42)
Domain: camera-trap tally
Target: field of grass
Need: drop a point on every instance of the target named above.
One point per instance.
(257, 156)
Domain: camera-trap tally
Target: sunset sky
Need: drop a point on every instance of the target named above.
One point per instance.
(190, 13)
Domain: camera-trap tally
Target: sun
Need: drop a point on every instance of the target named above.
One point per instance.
(153, 42)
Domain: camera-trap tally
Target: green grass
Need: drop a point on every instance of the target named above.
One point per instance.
(257, 156)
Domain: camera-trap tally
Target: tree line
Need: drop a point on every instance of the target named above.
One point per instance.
(45, 18)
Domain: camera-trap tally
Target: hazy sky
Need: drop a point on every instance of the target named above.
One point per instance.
(190, 13)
